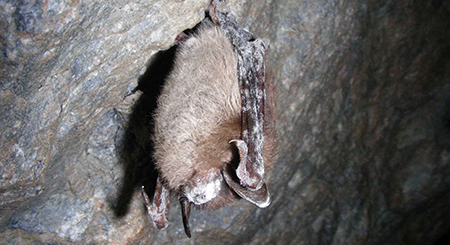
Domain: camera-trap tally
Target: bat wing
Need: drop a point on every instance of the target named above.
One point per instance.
(250, 51)
(158, 208)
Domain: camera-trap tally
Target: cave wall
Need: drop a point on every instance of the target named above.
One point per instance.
(364, 122)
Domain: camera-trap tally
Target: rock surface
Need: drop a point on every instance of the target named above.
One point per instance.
(364, 122)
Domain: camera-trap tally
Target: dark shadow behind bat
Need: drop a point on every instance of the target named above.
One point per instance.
(134, 147)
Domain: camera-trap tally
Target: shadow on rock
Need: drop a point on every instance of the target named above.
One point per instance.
(135, 147)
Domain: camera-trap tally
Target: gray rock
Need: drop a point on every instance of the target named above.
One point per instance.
(364, 122)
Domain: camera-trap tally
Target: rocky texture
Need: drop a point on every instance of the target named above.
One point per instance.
(364, 122)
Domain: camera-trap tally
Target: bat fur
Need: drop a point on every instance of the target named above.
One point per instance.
(198, 114)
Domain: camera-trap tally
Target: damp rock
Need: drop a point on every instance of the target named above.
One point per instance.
(364, 121)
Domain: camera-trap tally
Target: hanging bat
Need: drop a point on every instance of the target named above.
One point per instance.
(214, 131)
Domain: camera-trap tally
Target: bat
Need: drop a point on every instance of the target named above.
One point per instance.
(214, 134)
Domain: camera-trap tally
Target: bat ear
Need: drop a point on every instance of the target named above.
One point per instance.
(260, 197)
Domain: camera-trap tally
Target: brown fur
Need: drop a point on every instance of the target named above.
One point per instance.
(199, 113)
